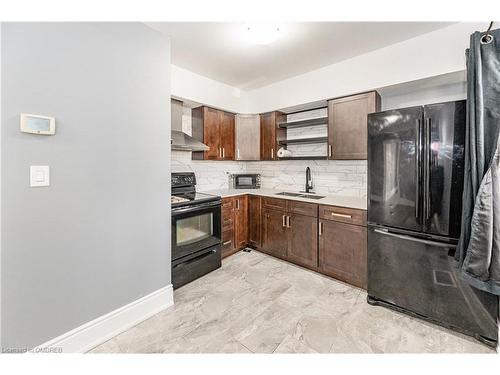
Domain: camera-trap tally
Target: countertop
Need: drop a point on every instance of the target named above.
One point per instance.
(330, 199)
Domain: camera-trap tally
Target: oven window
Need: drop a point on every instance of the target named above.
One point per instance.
(194, 229)
(245, 181)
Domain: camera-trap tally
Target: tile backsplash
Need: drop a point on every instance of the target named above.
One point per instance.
(210, 175)
(329, 177)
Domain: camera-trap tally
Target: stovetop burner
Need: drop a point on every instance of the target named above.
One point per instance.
(176, 199)
(184, 191)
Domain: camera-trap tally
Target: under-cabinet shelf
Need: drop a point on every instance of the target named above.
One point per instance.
(303, 140)
(305, 158)
(303, 123)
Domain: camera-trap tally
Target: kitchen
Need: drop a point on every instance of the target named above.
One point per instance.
(328, 233)
(294, 184)
(317, 204)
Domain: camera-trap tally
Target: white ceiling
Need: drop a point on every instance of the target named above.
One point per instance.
(220, 50)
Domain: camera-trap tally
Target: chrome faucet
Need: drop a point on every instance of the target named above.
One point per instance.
(309, 183)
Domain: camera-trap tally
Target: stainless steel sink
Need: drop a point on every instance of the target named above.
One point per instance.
(300, 195)
(312, 196)
(285, 193)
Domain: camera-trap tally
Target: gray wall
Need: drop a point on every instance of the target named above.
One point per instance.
(99, 236)
(425, 95)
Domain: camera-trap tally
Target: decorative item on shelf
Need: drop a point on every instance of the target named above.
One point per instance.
(284, 153)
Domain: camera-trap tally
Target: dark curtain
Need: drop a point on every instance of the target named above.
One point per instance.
(479, 247)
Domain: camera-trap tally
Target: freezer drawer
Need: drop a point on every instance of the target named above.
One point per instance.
(418, 274)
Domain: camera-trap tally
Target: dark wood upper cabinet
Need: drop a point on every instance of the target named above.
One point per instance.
(303, 240)
(214, 128)
(347, 125)
(227, 134)
(270, 134)
(254, 221)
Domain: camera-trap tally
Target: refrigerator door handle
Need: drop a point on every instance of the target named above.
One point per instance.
(418, 146)
(427, 163)
(414, 239)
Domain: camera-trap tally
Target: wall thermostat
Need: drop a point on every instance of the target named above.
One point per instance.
(36, 124)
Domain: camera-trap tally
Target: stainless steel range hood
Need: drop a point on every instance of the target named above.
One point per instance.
(180, 141)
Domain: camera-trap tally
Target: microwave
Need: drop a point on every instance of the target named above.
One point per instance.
(246, 181)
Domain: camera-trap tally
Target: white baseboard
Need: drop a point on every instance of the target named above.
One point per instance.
(101, 329)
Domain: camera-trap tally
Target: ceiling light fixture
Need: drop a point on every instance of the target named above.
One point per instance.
(262, 33)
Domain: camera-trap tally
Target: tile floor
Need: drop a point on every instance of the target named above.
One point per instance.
(258, 304)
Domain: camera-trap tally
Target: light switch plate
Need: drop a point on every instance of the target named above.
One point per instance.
(39, 175)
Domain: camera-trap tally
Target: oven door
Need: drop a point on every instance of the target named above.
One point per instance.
(195, 228)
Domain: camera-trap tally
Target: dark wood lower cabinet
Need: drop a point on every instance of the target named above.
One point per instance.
(303, 240)
(240, 221)
(342, 252)
(254, 221)
(333, 243)
(227, 242)
(274, 233)
(234, 224)
(228, 229)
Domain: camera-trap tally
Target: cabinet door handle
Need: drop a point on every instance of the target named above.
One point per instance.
(288, 222)
(223, 153)
(238, 151)
(226, 243)
(237, 204)
(330, 150)
(220, 152)
(341, 215)
(272, 153)
(283, 221)
(320, 229)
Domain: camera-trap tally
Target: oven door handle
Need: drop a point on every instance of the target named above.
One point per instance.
(195, 208)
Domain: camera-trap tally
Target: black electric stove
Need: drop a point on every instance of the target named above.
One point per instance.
(196, 230)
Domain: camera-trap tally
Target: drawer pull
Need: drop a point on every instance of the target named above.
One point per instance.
(226, 243)
(341, 215)
(284, 221)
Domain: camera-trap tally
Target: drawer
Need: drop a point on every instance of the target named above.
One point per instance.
(343, 215)
(303, 208)
(274, 203)
(227, 213)
(227, 204)
(227, 238)
(227, 224)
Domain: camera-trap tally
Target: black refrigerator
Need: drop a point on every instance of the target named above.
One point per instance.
(415, 184)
